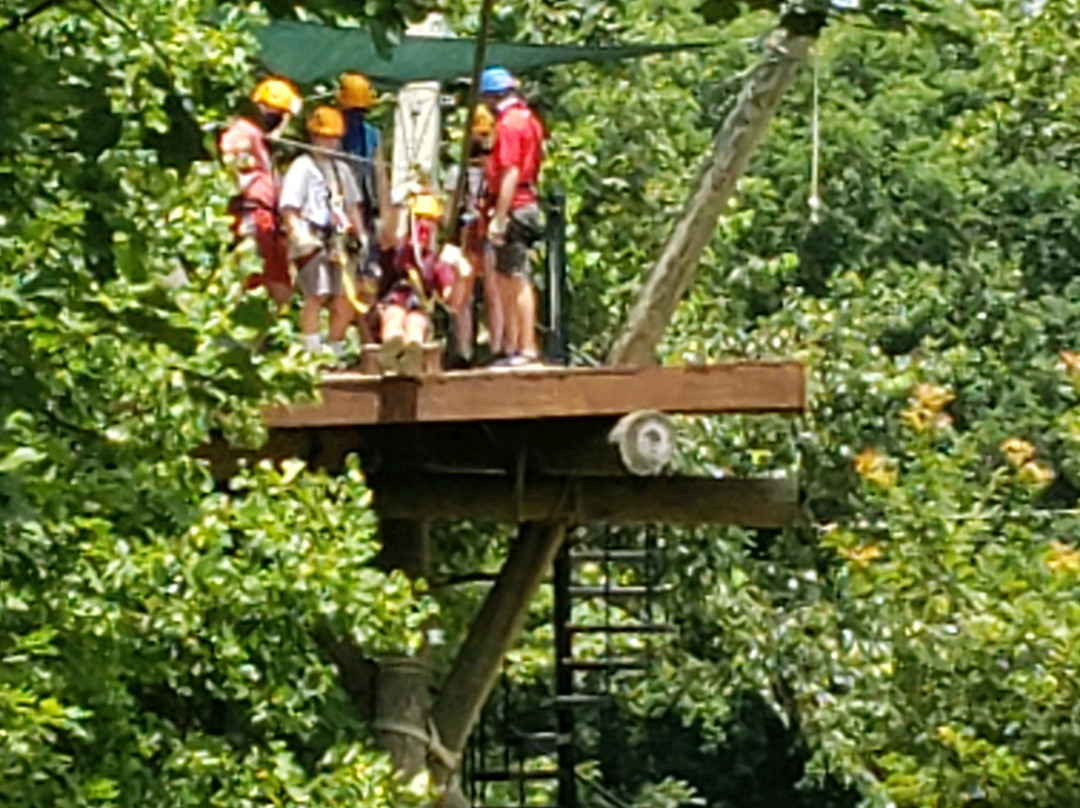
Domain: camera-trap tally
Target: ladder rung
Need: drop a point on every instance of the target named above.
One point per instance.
(611, 555)
(581, 700)
(610, 663)
(612, 591)
(635, 628)
(540, 737)
(514, 776)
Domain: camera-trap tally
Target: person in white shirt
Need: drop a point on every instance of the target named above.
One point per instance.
(321, 206)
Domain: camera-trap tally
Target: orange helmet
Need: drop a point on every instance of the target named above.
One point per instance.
(278, 94)
(326, 122)
(483, 122)
(354, 91)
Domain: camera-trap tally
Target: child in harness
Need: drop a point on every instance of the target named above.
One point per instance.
(321, 208)
(416, 275)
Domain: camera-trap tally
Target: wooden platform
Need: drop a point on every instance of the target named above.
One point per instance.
(513, 445)
(352, 399)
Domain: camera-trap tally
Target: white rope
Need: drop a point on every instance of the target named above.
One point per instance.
(413, 128)
(815, 154)
(431, 740)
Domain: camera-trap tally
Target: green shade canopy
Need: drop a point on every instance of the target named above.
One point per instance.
(308, 52)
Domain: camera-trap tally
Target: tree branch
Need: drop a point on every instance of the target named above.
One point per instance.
(19, 19)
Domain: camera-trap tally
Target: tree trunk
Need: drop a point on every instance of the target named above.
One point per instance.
(402, 697)
(733, 146)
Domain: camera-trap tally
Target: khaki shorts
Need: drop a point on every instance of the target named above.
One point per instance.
(318, 277)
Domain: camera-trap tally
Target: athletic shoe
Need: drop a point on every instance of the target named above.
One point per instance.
(411, 360)
(390, 355)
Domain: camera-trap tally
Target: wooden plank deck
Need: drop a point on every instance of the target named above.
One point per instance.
(352, 399)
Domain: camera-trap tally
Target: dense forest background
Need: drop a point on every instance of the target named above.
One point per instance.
(914, 642)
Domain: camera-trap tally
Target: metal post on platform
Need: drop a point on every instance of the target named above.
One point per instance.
(556, 340)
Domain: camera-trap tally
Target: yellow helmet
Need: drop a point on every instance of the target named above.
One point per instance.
(326, 122)
(354, 91)
(426, 205)
(278, 94)
(483, 122)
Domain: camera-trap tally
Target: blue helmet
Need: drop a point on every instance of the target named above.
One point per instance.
(496, 81)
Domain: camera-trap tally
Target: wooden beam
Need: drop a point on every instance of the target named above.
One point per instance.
(768, 503)
(491, 395)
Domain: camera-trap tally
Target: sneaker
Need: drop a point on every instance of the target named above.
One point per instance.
(411, 360)
(525, 361)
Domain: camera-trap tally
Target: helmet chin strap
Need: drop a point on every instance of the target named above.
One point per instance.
(270, 119)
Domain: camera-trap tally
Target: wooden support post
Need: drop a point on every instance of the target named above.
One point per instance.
(494, 629)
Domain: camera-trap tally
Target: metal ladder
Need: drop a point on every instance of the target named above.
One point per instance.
(627, 577)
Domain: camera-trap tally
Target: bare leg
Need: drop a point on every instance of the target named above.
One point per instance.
(393, 323)
(461, 307)
(525, 306)
(341, 314)
(279, 293)
(309, 314)
(493, 304)
(416, 327)
(412, 355)
(511, 322)
(392, 331)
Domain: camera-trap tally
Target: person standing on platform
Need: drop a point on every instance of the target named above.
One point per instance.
(472, 228)
(516, 223)
(245, 148)
(362, 139)
(321, 206)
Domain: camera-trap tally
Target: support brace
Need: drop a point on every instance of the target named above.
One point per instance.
(493, 631)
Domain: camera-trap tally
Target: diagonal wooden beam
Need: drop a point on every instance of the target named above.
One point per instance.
(734, 145)
(493, 631)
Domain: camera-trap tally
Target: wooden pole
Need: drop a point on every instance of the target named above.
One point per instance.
(471, 97)
(402, 697)
(734, 144)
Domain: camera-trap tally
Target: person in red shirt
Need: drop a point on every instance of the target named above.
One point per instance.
(516, 223)
(244, 148)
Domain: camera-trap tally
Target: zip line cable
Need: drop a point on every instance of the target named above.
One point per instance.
(308, 147)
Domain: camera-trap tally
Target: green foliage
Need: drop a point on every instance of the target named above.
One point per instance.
(159, 640)
(914, 643)
(919, 632)
(916, 637)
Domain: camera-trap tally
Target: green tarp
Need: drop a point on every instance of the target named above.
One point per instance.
(308, 52)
